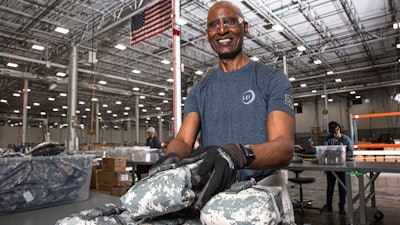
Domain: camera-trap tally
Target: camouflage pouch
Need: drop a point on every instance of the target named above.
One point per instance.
(108, 214)
(244, 203)
(164, 192)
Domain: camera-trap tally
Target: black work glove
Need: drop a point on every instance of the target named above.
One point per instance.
(166, 162)
(218, 170)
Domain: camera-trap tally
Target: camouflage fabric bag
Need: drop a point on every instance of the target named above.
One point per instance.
(164, 192)
(244, 203)
(109, 214)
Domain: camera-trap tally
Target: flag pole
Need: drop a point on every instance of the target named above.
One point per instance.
(176, 58)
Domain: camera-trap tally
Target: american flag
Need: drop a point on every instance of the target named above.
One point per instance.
(151, 21)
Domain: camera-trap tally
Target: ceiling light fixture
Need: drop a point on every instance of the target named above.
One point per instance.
(136, 71)
(170, 80)
(314, 91)
(352, 92)
(398, 46)
(102, 82)
(120, 47)
(255, 58)
(292, 79)
(199, 72)
(164, 61)
(396, 26)
(277, 27)
(329, 72)
(51, 99)
(303, 85)
(337, 80)
(61, 74)
(12, 65)
(38, 47)
(62, 30)
(317, 61)
(301, 48)
(135, 89)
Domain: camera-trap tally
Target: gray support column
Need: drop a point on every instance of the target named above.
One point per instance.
(72, 93)
(129, 129)
(137, 119)
(24, 112)
(160, 130)
(97, 122)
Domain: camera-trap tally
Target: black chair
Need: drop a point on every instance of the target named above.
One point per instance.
(301, 203)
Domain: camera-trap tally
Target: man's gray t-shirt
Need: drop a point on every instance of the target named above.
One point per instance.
(233, 107)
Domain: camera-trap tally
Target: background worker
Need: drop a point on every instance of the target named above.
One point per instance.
(152, 140)
(337, 138)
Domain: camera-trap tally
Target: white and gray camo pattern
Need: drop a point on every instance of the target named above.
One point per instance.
(253, 206)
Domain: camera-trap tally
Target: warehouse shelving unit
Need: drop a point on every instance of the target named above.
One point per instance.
(370, 155)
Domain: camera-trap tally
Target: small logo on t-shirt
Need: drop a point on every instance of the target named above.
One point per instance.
(248, 97)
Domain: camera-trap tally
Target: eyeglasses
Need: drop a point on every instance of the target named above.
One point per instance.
(229, 22)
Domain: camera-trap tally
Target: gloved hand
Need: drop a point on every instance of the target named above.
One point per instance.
(163, 163)
(218, 169)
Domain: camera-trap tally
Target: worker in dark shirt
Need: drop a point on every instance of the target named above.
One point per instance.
(152, 140)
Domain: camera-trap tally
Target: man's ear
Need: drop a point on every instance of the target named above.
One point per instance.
(246, 28)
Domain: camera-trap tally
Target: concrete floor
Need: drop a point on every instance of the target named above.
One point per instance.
(387, 201)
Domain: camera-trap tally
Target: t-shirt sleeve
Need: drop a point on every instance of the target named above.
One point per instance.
(279, 93)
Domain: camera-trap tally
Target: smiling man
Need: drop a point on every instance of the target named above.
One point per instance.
(244, 111)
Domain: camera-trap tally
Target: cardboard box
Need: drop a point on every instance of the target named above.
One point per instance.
(331, 154)
(118, 191)
(114, 164)
(36, 182)
(108, 179)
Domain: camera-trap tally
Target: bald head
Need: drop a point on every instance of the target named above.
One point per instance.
(225, 4)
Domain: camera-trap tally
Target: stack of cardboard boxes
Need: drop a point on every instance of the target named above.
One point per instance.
(113, 178)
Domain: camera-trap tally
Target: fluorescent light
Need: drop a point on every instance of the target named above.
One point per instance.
(158, 108)
(303, 85)
(142, 97)
(135, 89)
(329, 72)
(126, 113)
(36, 104)
(277, 27)
(120, 46)
(317, 61)
(314, 91)
(81, 102)
(95, 99)
(396, 26)
(87, 109)
(51, 99)
(4, 101)
(322, 96)
(198, 72)
(12, 65)
(141, 105)
(118, 102)
(144, 110)
(104, 105)
(161, 93)
(181, 21)
(55, 110)
(398, 46)
(330, 100)
(170, 80)
(16, 111)
(136, 71)
(38, 47)
(62, 30)
(292, 79)
(352, 92)
(42, 113)
(337, 80)
(164, 61)
(109, 111)
(295, 104)
(357, 96)
(127, 108)
(102, 82)
(16, 94)
(61, 74)
(165, 101)
(63, 94)
(301, 48)
(255, 58)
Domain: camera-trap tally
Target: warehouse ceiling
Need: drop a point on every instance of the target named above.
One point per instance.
(354, 42)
